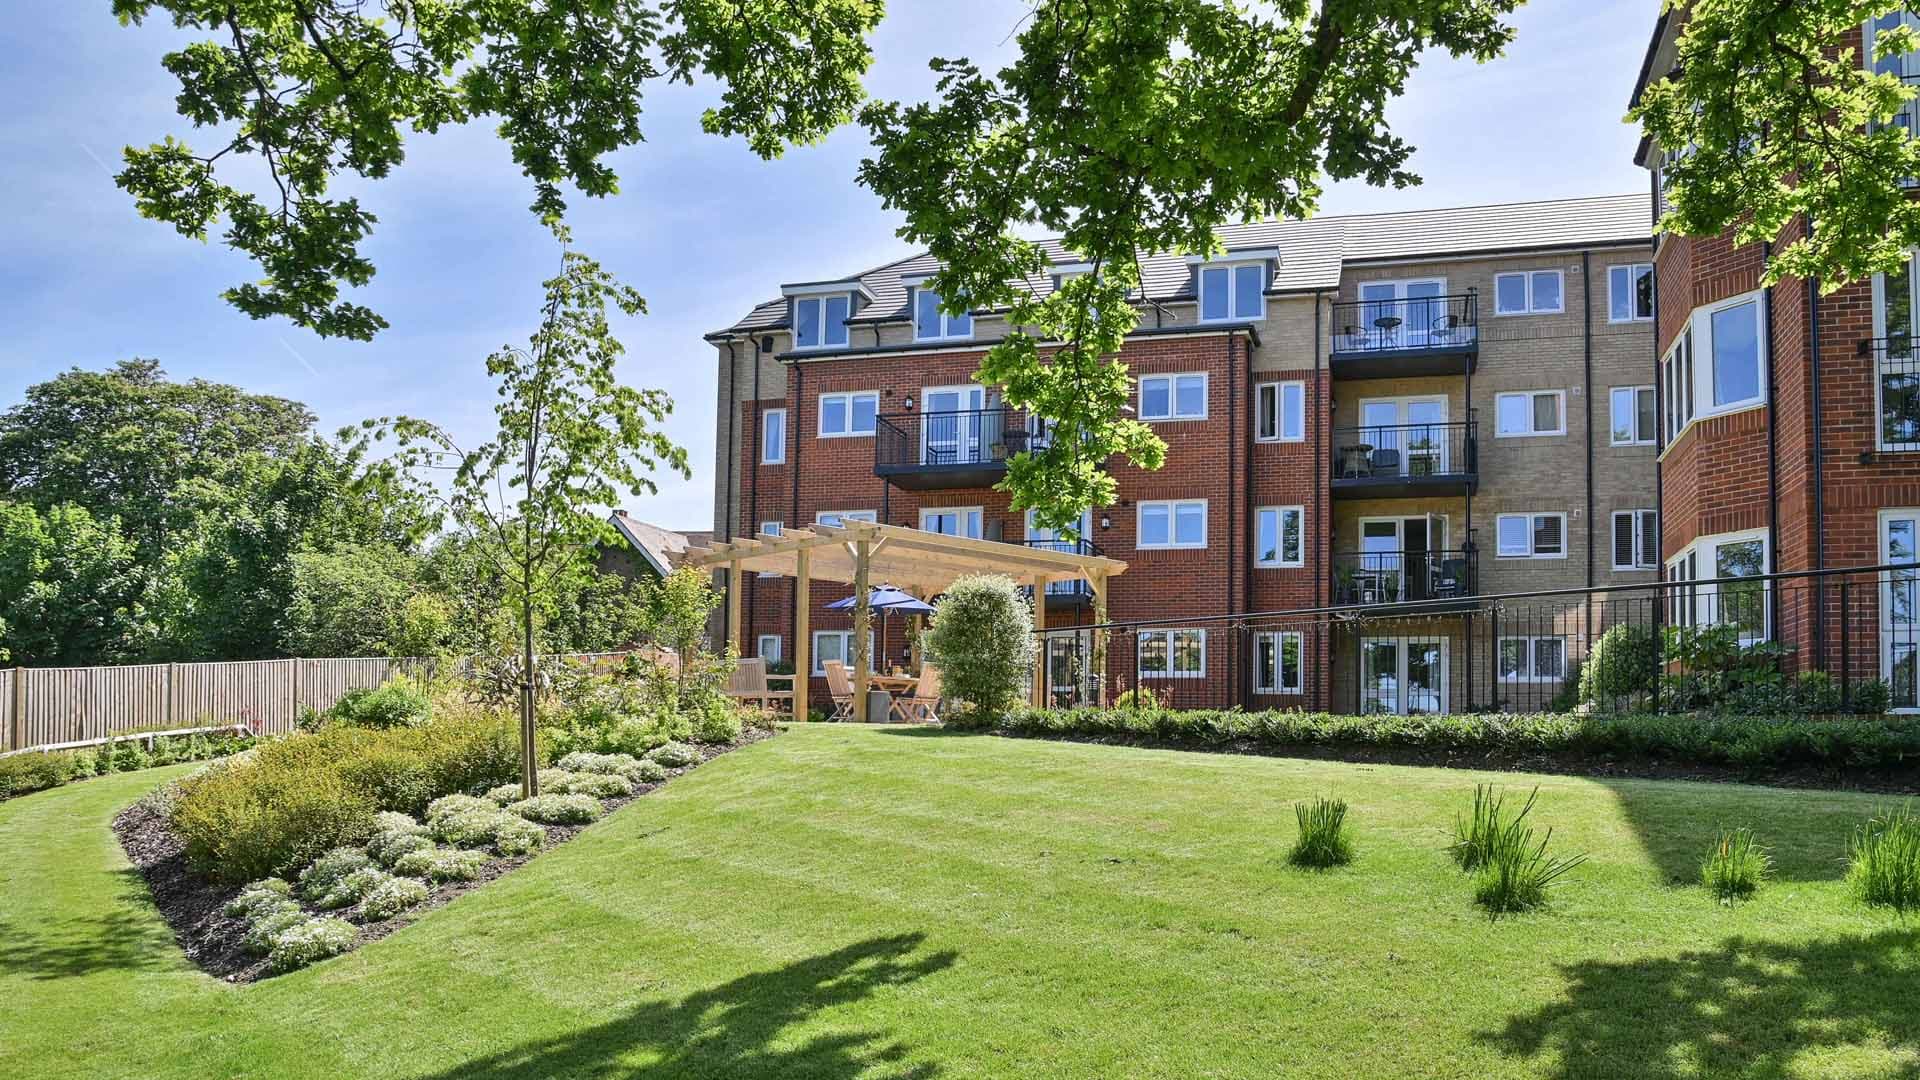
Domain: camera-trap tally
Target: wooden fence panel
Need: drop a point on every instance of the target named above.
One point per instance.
(74, 704)
(323, 682)
(257, 693)
(8, 741)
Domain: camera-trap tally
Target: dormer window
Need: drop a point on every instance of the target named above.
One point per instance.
(932, 324)
(820, 322)
(1233, 291)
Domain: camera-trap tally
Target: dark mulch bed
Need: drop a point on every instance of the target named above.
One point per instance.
(1902, 782)
(192, 905)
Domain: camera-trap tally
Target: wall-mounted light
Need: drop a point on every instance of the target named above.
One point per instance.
(1106, 521)
(909, 402)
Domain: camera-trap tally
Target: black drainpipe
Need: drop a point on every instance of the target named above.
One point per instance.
(1244, 511)
(1321, 521)
(1819, 459)
(753, 491)
(1586, 319)
(725, 526)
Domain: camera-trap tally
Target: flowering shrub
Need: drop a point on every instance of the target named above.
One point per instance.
(308, 941)
(352, 888)
(559, 809)
(518, 836)
(329, 870)
(267, 892)
(449, 805)
(267, 924)
(644, 772)
(582, 761)
(391, 897)
(674, 755)
(598, 785)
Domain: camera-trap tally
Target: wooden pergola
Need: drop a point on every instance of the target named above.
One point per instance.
(861, 553)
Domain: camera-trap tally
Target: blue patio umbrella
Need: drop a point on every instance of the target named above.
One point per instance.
(886, 600)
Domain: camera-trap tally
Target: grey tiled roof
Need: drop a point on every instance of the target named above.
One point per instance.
(1313, 252)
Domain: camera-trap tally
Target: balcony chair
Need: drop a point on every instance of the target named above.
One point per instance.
(1385, 462)
(1449, 579)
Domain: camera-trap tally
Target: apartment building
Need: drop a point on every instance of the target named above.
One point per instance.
(1360, 411)
(1789, 425)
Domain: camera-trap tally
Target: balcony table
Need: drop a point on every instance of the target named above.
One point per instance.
(1356, 460)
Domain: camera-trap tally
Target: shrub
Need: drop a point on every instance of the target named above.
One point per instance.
(716, 722)
(247, 820)
(309, 942)
(352, 888)
(602, 764)
(398, 702)
(268, 923)
(1871, 697)
(391, 897)
(518, 837)
(1323, 840)
(558, 809)
(1518, 873)
(442, 864)
(1140, 697)
(645, 772)
(472, 828)
(1734, 867)
(674, 755)
(598, 785)
(23, 773)
(330, 870)
(1623, 664)
(557, 781)
(267, 892)
(449, 805)
(503, 794)
(389, 847)
(982, 640)
(1477, 837)
(1884, 868)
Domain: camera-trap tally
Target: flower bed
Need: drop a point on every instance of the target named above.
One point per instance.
(398, 868)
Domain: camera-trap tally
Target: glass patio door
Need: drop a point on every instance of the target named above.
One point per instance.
(951, 425)
(1401, 314)
(1382, 562)
(1405, 676)
(1899, 619)
(1413, 432)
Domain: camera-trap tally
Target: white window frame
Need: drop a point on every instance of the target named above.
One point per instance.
(1172, 508)
(1281, 684)
(769, 528)
(1531, 308)
(1646, 549)
(1233, 290)
(760, 648)
(1140, 648)
(946, 321)
(846, 332)
(1560, 407)
(1883, 332)
(1280, 514)
(1280, 393)
(774, 451)
(1894, 633)
(1696, 382)
(1173, 413)
(1677, 384)
(1632, 271)
(1530, 659)
(841, 517)
(1500, 552)
(846, 398)
(1700, 561)
(1640, 438)
(979, 519)
(819, 661)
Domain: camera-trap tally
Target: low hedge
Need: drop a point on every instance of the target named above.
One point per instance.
(1743, 742)
(22, 774)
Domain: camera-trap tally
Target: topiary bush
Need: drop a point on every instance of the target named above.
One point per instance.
(1624, 664)
(558, 809)
(982, 641)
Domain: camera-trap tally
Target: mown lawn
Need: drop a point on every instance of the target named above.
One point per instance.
(843, 902)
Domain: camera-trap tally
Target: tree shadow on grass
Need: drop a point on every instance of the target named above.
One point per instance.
(1746, 1009)
(738, 1028)
(1805, 833)
(119, 940)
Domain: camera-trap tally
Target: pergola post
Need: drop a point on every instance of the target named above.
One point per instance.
(1100, 639)
(1039, 630)
(736, 594)
(802, 635)
(862, 629)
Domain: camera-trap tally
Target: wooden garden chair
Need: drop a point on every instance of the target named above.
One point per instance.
(840, 688)
(749, 686)
(924, 705)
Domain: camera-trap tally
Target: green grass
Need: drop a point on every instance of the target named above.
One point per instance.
(847, 902)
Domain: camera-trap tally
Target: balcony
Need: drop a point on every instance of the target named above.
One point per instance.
(1421, 335)
(1382, 578)
(967, 448)
(1399, 461)
(1066, 594)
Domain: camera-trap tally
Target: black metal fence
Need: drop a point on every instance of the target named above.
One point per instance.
(1823, 642)
(1393, 453)
(962, 437)
(1371, 578)
(1405, 323)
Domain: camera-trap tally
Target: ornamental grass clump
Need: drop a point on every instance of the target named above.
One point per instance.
(1884, 869)
(1735, 866)
(1323, 840)
(558, 809)
(1519, 872)
(1478, 835)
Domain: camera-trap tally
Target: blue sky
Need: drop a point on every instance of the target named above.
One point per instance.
(702, 227)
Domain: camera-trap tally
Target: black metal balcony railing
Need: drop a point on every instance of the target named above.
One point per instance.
(1410, 325)
(1073, 591)
(960, 448)
(1896, 372)
(1399, 577)
(1410, 459)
